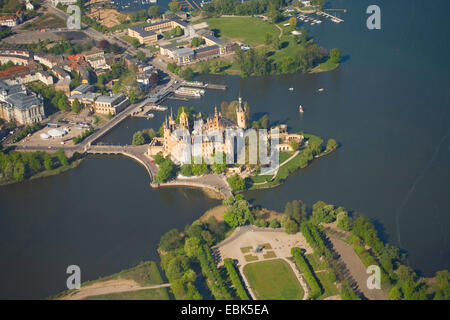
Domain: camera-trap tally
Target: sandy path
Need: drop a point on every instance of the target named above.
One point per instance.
(110, 286)
(357, 269)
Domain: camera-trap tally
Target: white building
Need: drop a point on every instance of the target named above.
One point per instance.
(16, 104)
(9, 21)
(29, 5)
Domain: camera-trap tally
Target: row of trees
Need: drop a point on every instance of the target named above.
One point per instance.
(181, 254)
(308, 273)
(22, 133)
(16, 166)
(252, 7)
(83, 135)
(235, 279)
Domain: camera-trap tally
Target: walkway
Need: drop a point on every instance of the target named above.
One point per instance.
(110, 287)
(138, 153)
(214, 182)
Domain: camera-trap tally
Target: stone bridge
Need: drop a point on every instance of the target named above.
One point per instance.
(137, 153)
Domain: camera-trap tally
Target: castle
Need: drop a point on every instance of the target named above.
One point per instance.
(196, 128)
(211, 132)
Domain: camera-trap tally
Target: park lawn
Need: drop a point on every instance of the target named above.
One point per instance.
(269, 254)
(329, 288)
(145, 274)
(46, 21)
(247, 30)
(273, 280)
(250, 257)
(315, 262)
(283, 156)
(146, 294)
(246, 249)
(325, 66)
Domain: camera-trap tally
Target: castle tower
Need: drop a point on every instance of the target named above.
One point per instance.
(184, 120)
(240, 115)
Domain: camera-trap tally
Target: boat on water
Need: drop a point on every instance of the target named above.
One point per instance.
(320, 90)
(300, 109)
(291, 89)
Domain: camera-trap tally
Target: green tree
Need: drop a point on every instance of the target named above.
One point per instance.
(289, 226)
(274, 223)
(293, 22)
(331, 144)
(187, 74)
(154, 11)
(395, 293)
(170, 240)
(186, 170)
(174, 6)
(192, 247)
(135, 43)
(335, 55)
(138, 138)
(132, 97)
(76, 106)
(236, 183)
(268, 39)
(197, 41)
(140, 55)
(19, 171)
(166, 171)
(62, 157)
(48, 162)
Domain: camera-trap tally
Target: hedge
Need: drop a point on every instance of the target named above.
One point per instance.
(232, 273)
(308, 273)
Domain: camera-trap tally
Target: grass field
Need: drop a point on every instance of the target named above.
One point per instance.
(146, 294)
(247, 30)
(329, 289)
(269, 254)
(250, 258)
(273, 280)
(45, 21)
(246, 249)
(326, 66)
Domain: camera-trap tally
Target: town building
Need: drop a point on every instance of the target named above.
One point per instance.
(148, 34)
(111, 104)
(20, 106)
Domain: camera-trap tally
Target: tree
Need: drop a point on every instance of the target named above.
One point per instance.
(186, 170)
(76, 106)
(140, 55)
(294, 144)
(290, 226)
(192, 247)
(154, 11)
(395, 293)
(62, 157)
(135, 43)
(166, 171)
(343, 222)
(19, 171)
(170, 240)
(331, 145)
(174, 6)
(138, 138)
(293, 22)
(276, 44)
(197, 41)
(132, 97)
(268, 39)
(236, 183)
(335, 55)
(187, 74)
(274, 223)
(48, 162)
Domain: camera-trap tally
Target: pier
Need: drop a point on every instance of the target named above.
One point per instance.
(333, 18)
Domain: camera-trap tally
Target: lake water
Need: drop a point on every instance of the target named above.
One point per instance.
(387, 105)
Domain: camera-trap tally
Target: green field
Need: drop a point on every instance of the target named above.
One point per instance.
(145, 274)
(326, 66)
(247, 30)
(146, 294)
(273, 280)
(45, 21)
